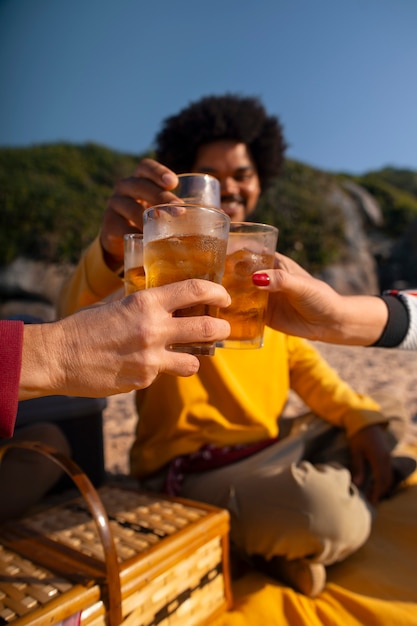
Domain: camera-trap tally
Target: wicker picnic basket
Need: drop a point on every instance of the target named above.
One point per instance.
(117, 556)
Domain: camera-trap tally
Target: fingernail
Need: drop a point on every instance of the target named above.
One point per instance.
(260, 280)
(169, 180)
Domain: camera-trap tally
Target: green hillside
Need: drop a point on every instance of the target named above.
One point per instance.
(52, 198)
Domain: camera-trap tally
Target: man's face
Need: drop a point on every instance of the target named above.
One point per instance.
(231, 164)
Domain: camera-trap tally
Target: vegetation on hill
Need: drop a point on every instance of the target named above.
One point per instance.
(311, 225)
(396, 192)
(52, 199)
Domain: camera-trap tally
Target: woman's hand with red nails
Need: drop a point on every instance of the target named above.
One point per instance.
(302, 305)
(261, 280)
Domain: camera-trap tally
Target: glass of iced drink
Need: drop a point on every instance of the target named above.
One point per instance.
(251, 247)
(181, 242)
(134, 272)
(200, 189)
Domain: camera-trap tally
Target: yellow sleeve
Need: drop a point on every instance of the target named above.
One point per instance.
(326, 394)
(91, 281)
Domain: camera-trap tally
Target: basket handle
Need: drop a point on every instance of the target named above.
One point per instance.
(98, 513)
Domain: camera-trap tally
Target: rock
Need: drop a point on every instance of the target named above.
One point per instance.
(357, 271)
(398, 269)
(367, 204)
(357, 276)
(31, 288)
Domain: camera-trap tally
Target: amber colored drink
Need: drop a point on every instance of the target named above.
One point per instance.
(183, 241)
(186, 256)
(134, 280)
(134, 277)
(246, 313)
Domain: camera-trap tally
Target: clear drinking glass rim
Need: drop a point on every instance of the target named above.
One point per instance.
(133, 236)
(266, 227)
(187, 205)
(200, 175)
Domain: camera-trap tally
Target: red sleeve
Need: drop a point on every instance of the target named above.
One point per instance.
(11, 345)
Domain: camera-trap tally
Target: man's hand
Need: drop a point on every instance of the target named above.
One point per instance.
(149, 185)
(370, 453)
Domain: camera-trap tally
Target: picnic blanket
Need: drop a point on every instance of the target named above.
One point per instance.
(377, 586)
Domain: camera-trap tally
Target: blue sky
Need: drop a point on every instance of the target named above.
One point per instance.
(340, 74)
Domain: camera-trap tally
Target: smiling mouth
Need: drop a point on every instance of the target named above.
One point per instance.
(232, 204)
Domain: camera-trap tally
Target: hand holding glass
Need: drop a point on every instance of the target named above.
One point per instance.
(251, 247)
(181, 242)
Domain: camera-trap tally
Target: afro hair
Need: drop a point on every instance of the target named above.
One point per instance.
(242, 119)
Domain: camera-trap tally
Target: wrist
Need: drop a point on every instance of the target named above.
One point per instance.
(42, 371)
(363, 319)
(396, 325)
(113, 263)
(356, 320)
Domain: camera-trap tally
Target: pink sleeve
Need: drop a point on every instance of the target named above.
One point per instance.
(11, 345)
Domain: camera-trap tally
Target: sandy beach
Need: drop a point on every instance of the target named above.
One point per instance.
(367, 370)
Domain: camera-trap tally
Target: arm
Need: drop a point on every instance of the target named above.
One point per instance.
(122, 345)
(91, 282)
(305, 306)
(358, 415)
(369, 447)
(149, 185)
(323, 390)
(11, 343)
(97, 274)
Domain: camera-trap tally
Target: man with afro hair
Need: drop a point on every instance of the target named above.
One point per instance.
(230, 117)
(218, 436)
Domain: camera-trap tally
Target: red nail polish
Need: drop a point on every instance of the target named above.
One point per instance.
(260, 280)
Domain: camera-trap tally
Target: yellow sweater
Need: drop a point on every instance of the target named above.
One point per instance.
(91, 282)
(237, 395)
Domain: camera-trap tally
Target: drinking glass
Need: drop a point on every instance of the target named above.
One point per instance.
(251, 247)
(181, 242)
(134, 273)
(200, 189)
